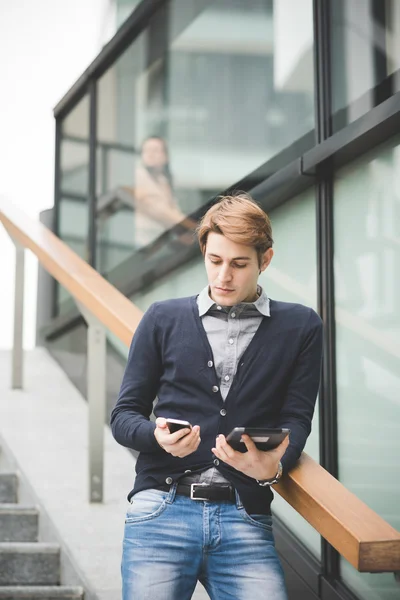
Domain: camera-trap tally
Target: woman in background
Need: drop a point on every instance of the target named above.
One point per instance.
(156, 208)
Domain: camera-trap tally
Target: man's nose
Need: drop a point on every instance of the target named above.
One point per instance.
(225, 273)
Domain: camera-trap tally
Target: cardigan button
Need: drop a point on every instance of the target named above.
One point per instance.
(168, 480)
(222, 412)
(216, 462)
(210, 363)
(215, 388)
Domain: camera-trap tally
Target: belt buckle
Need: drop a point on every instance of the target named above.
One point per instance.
(192, 488)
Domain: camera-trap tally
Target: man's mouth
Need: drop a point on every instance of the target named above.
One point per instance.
(223, 290)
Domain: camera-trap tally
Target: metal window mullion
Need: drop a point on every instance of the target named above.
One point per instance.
(322, 70)
(379, 41)
(92, 173)
(325, 267)
(326, 305)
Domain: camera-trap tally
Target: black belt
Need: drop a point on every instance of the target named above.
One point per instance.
(204, 491)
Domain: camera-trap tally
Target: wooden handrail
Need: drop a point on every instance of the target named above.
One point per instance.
(361, 536)
(113, 309)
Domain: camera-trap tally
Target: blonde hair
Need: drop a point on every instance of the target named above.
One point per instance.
(240, 219)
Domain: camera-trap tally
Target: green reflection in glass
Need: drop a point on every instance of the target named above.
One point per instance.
(367, 267)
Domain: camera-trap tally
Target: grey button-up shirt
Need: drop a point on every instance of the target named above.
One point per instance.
(229, 331)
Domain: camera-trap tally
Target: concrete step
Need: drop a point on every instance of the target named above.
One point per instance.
(8, 487)
(29, 564)
(18, 523)
(41, 593)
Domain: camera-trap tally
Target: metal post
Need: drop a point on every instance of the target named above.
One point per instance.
(17, 353)
(96, 396)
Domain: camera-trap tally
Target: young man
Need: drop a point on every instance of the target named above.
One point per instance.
(226, 358)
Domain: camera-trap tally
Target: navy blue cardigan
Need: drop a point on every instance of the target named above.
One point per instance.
(276, 385)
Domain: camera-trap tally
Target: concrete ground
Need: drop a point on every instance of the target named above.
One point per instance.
(45, 428)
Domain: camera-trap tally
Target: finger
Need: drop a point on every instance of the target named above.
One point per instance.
(185, 447)
(188, 439)
(161, 422)
(248, 442)
(175, 437)
(280, 450)
(223, 445)
(221, 453)
(188, 445)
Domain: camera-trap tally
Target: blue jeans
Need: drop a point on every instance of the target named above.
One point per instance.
(171, 542)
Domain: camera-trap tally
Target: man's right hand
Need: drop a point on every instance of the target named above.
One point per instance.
(181, 443)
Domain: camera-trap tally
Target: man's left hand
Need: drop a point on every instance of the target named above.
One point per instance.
(253, 463)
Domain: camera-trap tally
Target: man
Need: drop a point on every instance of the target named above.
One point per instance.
(228, 357)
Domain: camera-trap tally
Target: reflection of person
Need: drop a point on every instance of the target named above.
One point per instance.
(228, 357)
(156, 208)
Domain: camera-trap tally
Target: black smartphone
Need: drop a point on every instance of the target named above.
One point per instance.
(177, 424)
(265, 438)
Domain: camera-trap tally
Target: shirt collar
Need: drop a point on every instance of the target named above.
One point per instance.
(204, 302)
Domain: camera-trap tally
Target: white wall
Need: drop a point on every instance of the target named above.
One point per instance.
(45, 45)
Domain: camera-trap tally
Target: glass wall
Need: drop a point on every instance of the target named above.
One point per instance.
(186, 112)
(73, 211)
(124, 9)
(367, 282)
(365, 54)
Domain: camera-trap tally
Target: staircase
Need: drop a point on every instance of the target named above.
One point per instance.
(29, 569)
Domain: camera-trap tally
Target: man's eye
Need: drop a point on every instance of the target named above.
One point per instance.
(215, 262)
(240, 266)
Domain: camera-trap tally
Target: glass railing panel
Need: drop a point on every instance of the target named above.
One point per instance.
(124, 9)
(70, 350)
(367, 264)
(369, 586)
(73, 230)
(73, 208)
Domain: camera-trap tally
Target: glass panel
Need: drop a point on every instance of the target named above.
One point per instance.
(239, 85)
(215, 108)
(365, 56)
(187, 280)
(367, 266)
(124, 9)
(292, 277)
(70, 351)
(74, 187)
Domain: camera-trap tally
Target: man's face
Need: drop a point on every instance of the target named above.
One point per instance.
(232, 270)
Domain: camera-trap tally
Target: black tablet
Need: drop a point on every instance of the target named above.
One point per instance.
(265, 438)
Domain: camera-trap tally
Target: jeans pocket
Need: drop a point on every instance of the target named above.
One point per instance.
(146, 505)
(259, 520)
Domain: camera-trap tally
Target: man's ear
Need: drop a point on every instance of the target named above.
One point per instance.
(266, 260)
